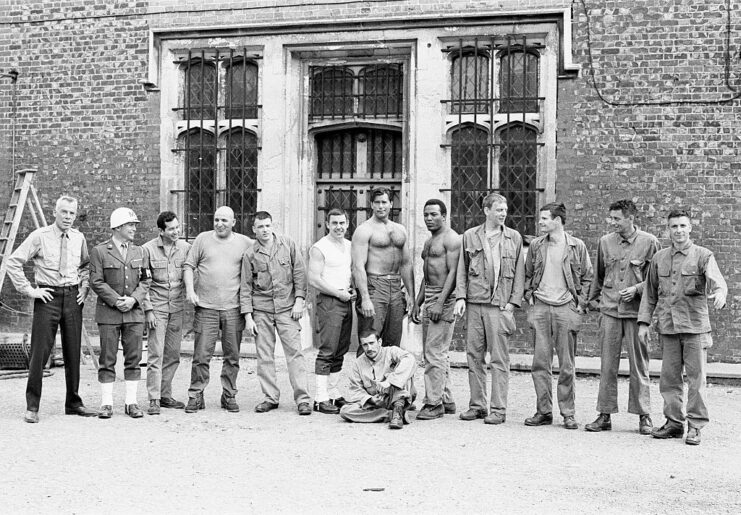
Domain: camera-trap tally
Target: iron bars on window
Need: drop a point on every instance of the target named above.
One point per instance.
(345, 91)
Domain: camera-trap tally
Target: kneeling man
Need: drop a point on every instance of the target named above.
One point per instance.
(381, 385)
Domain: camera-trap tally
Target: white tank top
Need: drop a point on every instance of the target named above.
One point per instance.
(337, 262)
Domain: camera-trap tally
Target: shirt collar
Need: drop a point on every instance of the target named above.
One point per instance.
(683, 249)
(632, 237)
(58, 232)
(118, 242)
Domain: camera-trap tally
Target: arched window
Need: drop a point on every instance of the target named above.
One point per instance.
(518, 175)
(200, 180)
(201, 83)
(381, 87)
(241, 89)
(469, 175)
(470, 82)
(241, 177)
(332, 94)
(518, 82)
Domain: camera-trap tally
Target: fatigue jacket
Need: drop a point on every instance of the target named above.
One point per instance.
(167, 291)
(676, 289)
(472, 281)
(393, 364)
(112, 277)
(622, 263)
(271, 280)
(577, 267)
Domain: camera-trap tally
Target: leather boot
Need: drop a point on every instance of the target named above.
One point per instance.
(397, 415)
(603, 423)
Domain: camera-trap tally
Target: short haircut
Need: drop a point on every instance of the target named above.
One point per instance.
(627, 207)
(365, 333)
(493, 198)
(65, 198)
(377, 192)
(164, 217)
(556, 209)
(678, 212)
(336, 211)
(439, 203)
(262, 215)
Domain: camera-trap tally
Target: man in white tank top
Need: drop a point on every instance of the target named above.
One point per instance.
(331, 275)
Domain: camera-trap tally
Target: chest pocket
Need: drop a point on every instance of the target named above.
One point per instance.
(508, 267)
(637, 267)
(610, 266)
(475, 261)
(261, 277)
(159, 270)
(693, 281)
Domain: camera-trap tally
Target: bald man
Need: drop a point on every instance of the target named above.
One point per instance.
(216, 256)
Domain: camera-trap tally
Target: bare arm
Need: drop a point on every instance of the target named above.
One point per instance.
(360, 242)
(407, 273)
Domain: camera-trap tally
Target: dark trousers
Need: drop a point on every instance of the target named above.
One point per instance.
(61, 311)
(334, 323)
(390, 306)
(131, 341)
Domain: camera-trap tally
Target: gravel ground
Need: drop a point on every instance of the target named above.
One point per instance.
(215, 461)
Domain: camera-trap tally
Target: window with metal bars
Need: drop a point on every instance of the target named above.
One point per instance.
(350, 161)
(493, 138)
(218, 138)
(362, 91)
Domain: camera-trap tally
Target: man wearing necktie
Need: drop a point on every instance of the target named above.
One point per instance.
(61, 270)
(119, 275)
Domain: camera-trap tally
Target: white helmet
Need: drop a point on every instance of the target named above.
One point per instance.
(121, 216)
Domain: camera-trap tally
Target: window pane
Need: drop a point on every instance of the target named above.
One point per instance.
(469, 184)
(336, 152)
(241, 90)
(518, 176)
(331, 91)
(384, 154)
(346, 199)
(199, 101)
(241, 178)
(470, 83)
(382, 90)
(519, 82)
(200, 180)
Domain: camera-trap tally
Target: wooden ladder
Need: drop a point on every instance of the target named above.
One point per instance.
(24, 194)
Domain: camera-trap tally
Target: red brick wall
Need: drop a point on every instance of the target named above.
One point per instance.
(90, 128)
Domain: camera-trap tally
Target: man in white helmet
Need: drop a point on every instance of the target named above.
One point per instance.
(119, 275)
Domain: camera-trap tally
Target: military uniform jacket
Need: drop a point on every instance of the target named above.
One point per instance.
(112, 277)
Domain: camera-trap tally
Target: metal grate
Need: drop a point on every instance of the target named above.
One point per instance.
(485, 160)
(15, 355)
(349, 199)
(368, 91)
(220, 155)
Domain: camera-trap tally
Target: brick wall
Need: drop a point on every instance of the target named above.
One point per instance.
(87, 124)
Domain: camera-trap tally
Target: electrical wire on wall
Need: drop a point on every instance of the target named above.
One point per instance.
(13, 76)
(727, 83)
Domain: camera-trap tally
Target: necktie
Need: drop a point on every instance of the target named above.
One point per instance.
(63, 255)
(124, 248)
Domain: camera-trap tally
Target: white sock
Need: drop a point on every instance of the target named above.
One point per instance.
(131, 391)
(321, 389)
(334, 383)
(106, 394)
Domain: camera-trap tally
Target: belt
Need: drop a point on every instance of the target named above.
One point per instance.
(385, 276)
(58, 288)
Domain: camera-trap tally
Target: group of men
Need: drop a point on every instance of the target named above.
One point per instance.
(236, 283)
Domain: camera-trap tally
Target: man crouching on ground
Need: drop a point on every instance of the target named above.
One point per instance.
(381, 386)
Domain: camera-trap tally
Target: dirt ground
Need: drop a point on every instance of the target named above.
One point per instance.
(219, 462)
